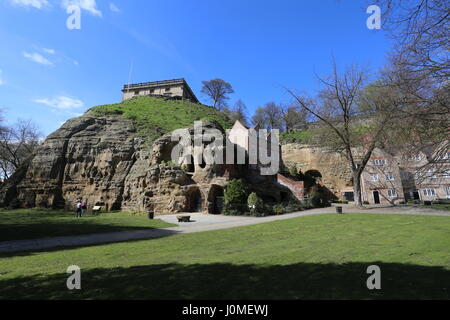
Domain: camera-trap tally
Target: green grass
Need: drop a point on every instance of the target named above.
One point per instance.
(314, 257)
(438, 206)
(37, 223)
(296, 136)
(155, 117)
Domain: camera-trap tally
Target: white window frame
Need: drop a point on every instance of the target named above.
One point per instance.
(392, 193)
(416, 158)
(375, 177)
(446, 174)
(389, 177)
(379, 162)
(429, 192)
(447, 191)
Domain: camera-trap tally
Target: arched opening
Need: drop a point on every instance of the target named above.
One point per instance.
(215, 199)
(194, 201)
(312, 177)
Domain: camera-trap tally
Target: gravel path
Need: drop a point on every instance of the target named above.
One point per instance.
(200, 222)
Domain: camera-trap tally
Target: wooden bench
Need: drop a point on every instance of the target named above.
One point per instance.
(184, 218)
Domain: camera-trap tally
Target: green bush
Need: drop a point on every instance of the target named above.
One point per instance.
(316, 199)
(235, 197)
(278, 209)
(294, 205)
(255, 203)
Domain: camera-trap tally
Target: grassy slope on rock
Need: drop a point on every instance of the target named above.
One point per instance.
(155, 117)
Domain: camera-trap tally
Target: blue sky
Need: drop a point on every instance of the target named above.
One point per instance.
(49, 73)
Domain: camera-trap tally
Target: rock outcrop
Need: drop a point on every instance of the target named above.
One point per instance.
(101, 160)
(332, 168)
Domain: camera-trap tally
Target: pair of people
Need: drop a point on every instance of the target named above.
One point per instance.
(81, 208)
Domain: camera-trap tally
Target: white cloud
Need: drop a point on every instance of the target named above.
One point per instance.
(113, 7)
(49, 51)
(88, 5)
(38, 4)
(36, 57)
(1, 79)
(61, 103)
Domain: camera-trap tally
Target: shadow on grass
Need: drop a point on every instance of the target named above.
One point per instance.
(48, 229)
(120, 234)
(228, 281)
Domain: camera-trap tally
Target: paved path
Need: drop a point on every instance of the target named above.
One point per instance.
(200, 222)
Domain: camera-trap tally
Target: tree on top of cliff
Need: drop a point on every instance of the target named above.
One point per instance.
(217, 90)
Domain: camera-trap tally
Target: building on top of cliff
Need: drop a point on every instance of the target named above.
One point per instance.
(176, 89)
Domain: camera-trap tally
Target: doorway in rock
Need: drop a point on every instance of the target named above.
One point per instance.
(194, 201)
(216, 199)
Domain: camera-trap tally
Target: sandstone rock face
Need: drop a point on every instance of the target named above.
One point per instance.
(103, 161)
(333, 167)
(87, 158)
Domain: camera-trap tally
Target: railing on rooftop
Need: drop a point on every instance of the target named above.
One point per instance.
(154, 83)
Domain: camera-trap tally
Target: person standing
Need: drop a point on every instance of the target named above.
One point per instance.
(78, 209)
(83, 207)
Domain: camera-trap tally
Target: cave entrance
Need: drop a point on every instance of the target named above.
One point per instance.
(194, 200)
(216, 199)
(312, 177)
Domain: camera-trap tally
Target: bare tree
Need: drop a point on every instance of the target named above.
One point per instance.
(17, 143)
(352, 119)
(238, 112)
(419, 69)
(217, 90)
(273, 115)
(294, 116)
(259, 118)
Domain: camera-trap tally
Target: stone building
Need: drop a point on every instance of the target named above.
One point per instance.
(393, 178)
(176, 89)
(389, 177)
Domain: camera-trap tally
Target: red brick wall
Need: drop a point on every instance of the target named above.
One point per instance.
(297, 187)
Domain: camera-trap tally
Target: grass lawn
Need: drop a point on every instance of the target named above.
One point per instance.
(438, 206)
(313, 257)
(34, 223)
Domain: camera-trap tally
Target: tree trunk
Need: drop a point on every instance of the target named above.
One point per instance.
(357, 189)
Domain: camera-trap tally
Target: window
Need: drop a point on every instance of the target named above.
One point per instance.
(446, 156)
(446, 174)
(374, 177)
(392, 193)
(447, 191)
(389, 177)
(431, 174)
(167, 89)
(416, 157)
(379, 162)
(417, 175)
(429, 192)
(136, 93)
